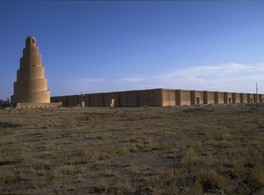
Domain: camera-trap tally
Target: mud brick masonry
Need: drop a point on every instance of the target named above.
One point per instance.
(157, 97)
(31, 91)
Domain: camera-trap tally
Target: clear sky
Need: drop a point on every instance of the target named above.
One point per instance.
(102, 46)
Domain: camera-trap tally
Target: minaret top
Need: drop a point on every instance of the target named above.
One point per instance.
(31, 41)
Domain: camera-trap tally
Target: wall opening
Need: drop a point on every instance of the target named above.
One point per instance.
(112, 102)
(197, 100)
(229, 100)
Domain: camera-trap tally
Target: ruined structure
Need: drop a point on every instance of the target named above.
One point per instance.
(157, 97)
(31, 86)
(31, 91)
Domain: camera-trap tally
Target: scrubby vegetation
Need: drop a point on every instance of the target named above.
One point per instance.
(5, 103)
(182, 150)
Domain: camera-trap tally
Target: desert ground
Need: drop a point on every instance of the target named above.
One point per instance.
(174, 150)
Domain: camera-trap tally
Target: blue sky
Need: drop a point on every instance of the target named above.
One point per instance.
(91, 46)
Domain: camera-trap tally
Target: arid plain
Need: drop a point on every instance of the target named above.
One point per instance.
(174, 150)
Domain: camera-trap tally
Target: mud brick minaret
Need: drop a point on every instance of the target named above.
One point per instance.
(31, 85)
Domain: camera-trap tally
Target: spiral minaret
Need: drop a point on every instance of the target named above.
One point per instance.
(31, 85)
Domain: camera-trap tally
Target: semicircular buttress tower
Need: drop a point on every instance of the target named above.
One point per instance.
(31, 85)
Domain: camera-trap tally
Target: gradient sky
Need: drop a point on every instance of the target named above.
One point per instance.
(91, 46)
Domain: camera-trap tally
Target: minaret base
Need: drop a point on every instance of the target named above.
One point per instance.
(37, 97)
(37, 105)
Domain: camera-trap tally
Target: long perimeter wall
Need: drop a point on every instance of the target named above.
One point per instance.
(157, 97)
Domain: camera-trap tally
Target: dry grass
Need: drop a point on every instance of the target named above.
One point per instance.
(182, 150)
